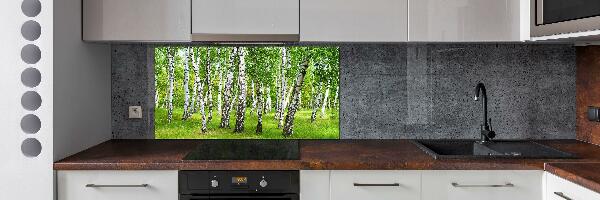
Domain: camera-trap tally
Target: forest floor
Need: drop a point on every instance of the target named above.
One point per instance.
(323, 128)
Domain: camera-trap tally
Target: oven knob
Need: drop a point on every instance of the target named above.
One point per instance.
(214, 183)
(263, 183)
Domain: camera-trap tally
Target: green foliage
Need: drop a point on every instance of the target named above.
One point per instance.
(327, 128)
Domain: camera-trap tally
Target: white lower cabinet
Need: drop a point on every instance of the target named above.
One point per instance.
(560, 189)
(482, 184)
(314, 184)
(117, 185)
(379, 185)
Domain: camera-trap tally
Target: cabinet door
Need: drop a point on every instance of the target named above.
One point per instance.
(482, 184)
(245, 20)
(468, 20)
(353, 20)
(314, 185)
(117, 185)
(560, 189)
(136, 20)
(379, 185)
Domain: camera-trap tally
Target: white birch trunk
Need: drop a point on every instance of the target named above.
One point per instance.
(288, 128)
(336, 100)
(253, 97)
(197, 84)
(220, 88)
(209, 97)
(282, 81)
(227, 92)
(186, 80)
(242, 87)
(269, 102)
(277, 91)
(171, 82)
(324, 102)
(204, 127)
(316, 98)
(259, 111)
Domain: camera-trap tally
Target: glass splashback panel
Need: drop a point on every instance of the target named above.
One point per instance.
(247, 92)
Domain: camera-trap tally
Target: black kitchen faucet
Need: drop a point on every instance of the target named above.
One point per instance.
(487, 134)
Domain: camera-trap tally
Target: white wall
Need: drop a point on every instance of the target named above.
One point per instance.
(81, 85)
(24, 177)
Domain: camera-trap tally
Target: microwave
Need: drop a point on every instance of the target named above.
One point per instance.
(554, 17)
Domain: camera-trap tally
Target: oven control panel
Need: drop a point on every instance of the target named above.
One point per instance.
(228, 182)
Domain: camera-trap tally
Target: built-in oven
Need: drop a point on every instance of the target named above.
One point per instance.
(239, 185)
(552, 17)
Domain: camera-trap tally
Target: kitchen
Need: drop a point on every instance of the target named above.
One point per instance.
(371, 99)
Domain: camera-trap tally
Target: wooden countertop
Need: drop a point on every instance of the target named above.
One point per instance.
(331, 155)
(314, 154)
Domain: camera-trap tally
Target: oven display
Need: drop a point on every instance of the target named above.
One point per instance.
(239, 180)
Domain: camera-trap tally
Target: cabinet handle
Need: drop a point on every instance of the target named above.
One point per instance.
(474, 186)
(562, 195)
(115, 186)
(376, 185)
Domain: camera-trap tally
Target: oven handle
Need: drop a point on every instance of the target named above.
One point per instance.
(240, 196)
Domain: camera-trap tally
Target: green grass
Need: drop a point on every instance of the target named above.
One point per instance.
(323, 128)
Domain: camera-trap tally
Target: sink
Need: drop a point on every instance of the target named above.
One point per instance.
(468, 149)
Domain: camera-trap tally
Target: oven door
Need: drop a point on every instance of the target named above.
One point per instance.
(552, 17)
(241, 197)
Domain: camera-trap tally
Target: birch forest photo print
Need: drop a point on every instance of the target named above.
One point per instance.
(207, 92)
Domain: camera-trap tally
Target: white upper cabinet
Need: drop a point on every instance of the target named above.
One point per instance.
(468, 20)
(353, 20)
(136, 20)
(245, 20)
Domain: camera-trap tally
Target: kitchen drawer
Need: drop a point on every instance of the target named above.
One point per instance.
(117, 185)
(379, 185)
(560, 189)
(482, 184)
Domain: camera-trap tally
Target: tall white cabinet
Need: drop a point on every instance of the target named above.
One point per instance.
(353, 21)
(26, 129)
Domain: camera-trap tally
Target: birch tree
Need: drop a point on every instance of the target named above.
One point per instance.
(227, 92)
(259, 109)
(170, 52)
(325, 101)
(288, 128)
(253, 97)
(315, 104)
(220, 87)
(268, 103)
(282, 82)
(242, 87)
(186, 79)
(199, 86)
(209, 99)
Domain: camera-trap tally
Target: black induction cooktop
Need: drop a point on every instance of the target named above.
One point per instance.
(245, 150)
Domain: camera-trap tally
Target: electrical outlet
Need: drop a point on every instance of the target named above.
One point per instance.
(135, 112)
